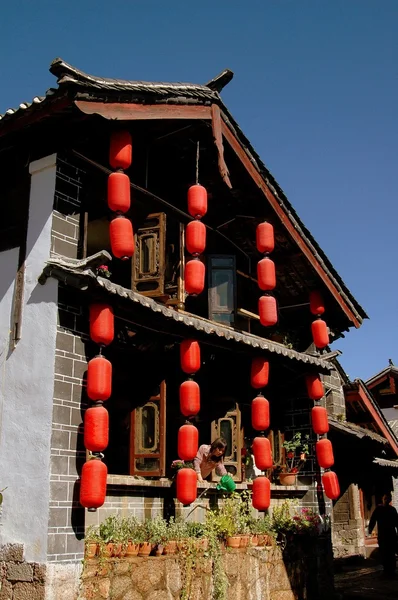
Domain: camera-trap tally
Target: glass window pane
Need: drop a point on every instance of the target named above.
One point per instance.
(224, 318)
(223, 286)
(147, 254)
(226, 433)
(147, 464)
(148, 427)
(222, 261)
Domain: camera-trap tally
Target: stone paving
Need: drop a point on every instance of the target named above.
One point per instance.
(366, 582)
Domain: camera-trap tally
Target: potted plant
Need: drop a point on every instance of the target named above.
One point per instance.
(108, 533)
(178, 531)
(196, 532)
(296, 453)
(132, 536)
(91, 541)
(157, 534)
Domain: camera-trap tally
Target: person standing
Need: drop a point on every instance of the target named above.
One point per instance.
(386, 518)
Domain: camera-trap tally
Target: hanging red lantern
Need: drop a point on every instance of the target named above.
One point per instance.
(190, 356)
(260, 413)
(194, 277)
(189, 398)
(324, 453)
(99, 378)
(320, 333)
(101, 323)
(265, 237)
(93, 484)
(266, 277)
(188, 437)
(119, 192)
(259, 372)
(317, 306)
(319, 418)
(96, 428)
(186, 486)
(261, 498)
(262, 453)
(197, 201)
(122, 237)
(331, 485)
(121, 150)
(195, 237)
(267, 310)
(315, 387)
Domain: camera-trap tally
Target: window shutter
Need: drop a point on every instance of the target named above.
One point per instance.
(149, 258)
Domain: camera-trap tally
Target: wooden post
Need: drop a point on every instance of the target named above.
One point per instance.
(181, 286)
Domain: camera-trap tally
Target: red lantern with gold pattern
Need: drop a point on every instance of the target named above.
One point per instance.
(189, 398)
(261, 498)
(119, 192)
(96, 428)
(265, 237)
(259, 372)
(121, 150)
(186, 486)
(197, 201)
(93, 484)
(317, 306)
(260, 413)
(319, 418)
(262, 453)
(101, 323)
(195, 238)
(315, 387)
(266, 277)
(99, 378)
(324, 453)
(188, 437)
(190, 356)
(267, 309)
(331, 485)
(122, 237)
(320, 333)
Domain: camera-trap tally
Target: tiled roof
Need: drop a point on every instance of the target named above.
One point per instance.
(28, 105)
(352, 429)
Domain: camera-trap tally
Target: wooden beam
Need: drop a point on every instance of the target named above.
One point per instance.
(217, 135)
(137, 112)
(284, 218)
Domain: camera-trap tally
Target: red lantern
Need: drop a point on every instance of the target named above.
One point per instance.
(188, 437)
(315, 388)
(324, 453)
(101, 323)
(186, 486)
(268, 311)
(93, 484)
(189, 398)
(265, 237)
(197, 201)
(261, 493)
(266, 274)
(194, 277)
(96, 428)
(331, 485)
(99, 378)
(190, 356)
(195, 238)
(119, 192)
(319, 418)
(262, 453)
(317, 306)
(260, 413)
(320, 333)
(122, 237)
(121, 150)
(259, 373)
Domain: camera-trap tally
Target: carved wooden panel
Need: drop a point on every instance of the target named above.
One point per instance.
(229, 427)
(148, 265)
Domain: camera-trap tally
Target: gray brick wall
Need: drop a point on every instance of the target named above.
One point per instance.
(335, 401)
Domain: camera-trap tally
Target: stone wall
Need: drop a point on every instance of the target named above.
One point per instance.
(301, 571)
(348, 531)
(19, 579)
(334, 394)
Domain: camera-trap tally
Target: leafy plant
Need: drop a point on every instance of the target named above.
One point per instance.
(297, 449)
(177, 529)
(156, 530)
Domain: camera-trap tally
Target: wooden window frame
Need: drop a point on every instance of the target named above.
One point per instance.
(157, 276)
(211, 303)
(237, 440)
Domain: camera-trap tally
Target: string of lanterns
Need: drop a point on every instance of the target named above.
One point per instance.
(119, 195)
(195, 240)
(96, 418)
(188, 435)
(266, 277)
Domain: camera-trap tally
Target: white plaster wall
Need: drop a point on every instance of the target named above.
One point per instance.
(27, 381)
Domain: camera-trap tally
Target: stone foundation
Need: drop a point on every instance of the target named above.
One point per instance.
(20, 580)
(302, 570)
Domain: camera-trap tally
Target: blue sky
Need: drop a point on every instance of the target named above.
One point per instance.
(315, 90)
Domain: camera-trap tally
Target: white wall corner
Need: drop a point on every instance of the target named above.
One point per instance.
(43, 163)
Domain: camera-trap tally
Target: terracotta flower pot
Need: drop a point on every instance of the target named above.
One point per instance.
(145, 549)
(287, 478)
(268, 540)
(181, 545)
(108, 550)
(260, 539)
(118, 550)
(91, 550)
(159, 549)
(244, 541)
(132, 549)
(170, 547)
(233, 541)
(254, 540)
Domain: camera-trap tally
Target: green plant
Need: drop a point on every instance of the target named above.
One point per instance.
(177, 529)
(297, 449)
(195, 530)
(156, 530)
(109, 529)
